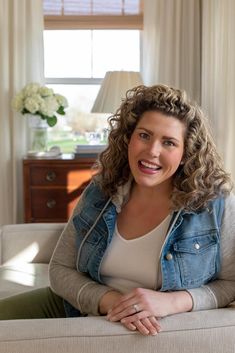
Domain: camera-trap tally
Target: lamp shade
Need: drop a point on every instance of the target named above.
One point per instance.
(113, 90)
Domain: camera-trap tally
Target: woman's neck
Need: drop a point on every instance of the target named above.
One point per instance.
(157, 195)
(144, 210)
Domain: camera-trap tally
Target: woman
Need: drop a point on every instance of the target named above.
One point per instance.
(153, 234)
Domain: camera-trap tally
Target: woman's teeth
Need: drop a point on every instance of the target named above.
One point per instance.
(150, 165)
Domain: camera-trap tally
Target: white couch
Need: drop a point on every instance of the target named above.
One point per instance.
(24, 254)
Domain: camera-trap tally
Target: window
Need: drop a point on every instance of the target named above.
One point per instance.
(76, 60)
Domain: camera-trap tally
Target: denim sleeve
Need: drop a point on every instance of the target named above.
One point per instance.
(221, 292)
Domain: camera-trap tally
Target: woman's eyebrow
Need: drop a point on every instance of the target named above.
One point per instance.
(146, 130)
(170, 138)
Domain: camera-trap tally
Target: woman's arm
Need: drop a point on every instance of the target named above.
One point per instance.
(221, 292)
(77, 288)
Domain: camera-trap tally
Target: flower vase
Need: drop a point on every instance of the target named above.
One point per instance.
(38, 133)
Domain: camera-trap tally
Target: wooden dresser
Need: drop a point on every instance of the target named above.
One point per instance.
(53, 186)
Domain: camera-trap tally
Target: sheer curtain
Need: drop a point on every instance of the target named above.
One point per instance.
(218, 74)
(21, 61)
(190, 44)
(171, 44)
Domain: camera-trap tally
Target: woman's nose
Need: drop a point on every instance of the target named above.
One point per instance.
(155, 149)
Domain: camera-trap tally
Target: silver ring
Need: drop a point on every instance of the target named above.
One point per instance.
(136, 308)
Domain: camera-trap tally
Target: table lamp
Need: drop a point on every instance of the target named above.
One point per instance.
(113, 90)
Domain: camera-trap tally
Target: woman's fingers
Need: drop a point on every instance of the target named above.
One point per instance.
(135, 317)
(141, 316)
(146, 326)
(131, 327)
(123, 311)
(141, 327)
(153, 325)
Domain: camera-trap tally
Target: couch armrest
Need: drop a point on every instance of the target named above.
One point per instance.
(210, 331)
(28, 243)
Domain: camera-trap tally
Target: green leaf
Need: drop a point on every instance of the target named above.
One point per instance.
(25, 111)
(61, 110)
(51, 120)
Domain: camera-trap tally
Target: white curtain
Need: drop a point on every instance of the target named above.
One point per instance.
(218, 74)
(171, 44)
(190, 44)
(21, 61)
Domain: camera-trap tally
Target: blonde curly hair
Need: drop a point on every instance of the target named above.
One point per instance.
(200, 179)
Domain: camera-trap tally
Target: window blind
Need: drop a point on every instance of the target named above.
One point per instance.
(93, 14)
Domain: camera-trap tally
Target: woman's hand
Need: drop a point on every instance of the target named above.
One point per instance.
(147, 326)
(141, 303)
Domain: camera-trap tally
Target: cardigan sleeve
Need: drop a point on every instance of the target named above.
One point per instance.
(221, 292)
(65, 280)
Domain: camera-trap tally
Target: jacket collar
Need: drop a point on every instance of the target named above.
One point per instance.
(122, 195)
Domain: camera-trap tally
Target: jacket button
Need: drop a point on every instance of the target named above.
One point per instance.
(169, 256)
(197, 246)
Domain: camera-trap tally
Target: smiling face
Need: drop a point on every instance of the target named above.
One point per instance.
(156, 149)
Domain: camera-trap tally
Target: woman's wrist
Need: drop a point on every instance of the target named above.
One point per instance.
(181, 302)
(107, 301)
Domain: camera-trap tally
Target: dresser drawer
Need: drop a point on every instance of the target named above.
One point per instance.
(56, 204)
(59, 175)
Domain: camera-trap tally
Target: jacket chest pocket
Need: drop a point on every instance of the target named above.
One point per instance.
(197, 258)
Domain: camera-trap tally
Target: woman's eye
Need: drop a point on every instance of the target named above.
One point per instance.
(144, 135)
(169, 143)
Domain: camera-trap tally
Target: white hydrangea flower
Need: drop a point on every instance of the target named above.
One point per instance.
(49, 106)
(45, 91)
(31, 105)
(62, 101)
(18, 102)
(37, 98)
(31, 89)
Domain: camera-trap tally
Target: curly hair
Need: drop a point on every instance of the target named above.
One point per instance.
(200, 179)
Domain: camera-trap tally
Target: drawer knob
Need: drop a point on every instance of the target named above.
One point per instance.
(50, 176)
(51, 203)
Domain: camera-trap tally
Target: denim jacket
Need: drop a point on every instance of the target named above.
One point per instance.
(190, 255)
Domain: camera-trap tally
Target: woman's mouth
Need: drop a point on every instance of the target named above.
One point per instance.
(147, 166)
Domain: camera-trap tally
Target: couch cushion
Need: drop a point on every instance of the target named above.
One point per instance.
(21, 278)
